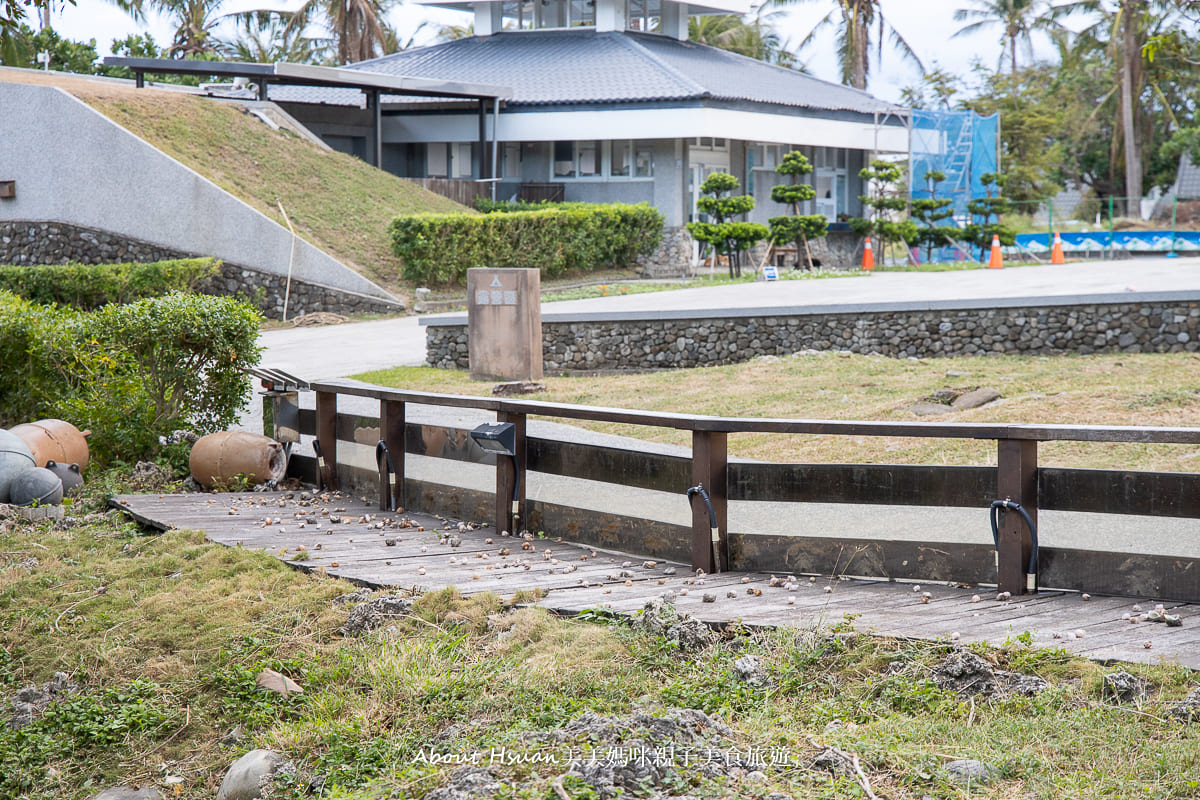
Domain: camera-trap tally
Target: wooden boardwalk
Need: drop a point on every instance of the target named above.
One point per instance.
(345, 537)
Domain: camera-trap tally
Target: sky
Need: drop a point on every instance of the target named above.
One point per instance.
(927, 25)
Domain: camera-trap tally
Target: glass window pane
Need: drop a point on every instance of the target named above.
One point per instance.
(643, 160)
(589, 158)
(436, 160)
(620, 158)
(564, 160)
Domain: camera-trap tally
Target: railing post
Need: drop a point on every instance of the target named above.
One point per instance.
(506, 474)
(327, 438)
(1016, 480)
(391, 431)
(709, 469)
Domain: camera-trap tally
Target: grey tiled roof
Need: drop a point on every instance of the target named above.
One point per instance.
(556, 67)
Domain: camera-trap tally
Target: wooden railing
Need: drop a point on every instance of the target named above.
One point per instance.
(466, 191)
(1016, 477)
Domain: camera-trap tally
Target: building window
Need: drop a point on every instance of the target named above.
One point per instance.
(643, 160)
(460, 162)
(622, 151)
(588, 154)
(564, 159)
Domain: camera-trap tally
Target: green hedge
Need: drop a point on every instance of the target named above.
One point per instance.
(130, 373)
(440, 248)
(88, 286)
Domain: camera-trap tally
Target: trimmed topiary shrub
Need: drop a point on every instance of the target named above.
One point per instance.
(89, 286)
(440, 248)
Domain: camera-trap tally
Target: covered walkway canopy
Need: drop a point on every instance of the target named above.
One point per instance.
(372, 84)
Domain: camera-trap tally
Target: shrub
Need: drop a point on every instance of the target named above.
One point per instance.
(440, 248)
(89, 286)
(35, 343)
(129, 372)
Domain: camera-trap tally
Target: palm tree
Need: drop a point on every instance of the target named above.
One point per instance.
(194, 21)
(1124, 27)
(1017, 18)
(263, 38)
(755, 37)
(854, 20)
(358, 28)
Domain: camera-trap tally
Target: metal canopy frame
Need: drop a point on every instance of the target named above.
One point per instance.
(372, 84)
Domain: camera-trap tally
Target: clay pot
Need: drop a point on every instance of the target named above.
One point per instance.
(72, 481)
(38, 485)
(55, 440)
(222, 457)
(15, 458)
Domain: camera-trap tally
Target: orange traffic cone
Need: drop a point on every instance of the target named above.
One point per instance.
(1056, 252)
(868, 256)
(997, 259)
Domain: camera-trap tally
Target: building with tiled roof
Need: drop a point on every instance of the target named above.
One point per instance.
(609, 102)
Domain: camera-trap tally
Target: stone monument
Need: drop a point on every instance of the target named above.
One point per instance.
(504, 324)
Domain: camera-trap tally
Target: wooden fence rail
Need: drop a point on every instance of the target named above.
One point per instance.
(1017, 477)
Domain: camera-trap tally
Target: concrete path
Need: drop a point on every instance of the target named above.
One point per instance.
(344, 350)
(1136, 276)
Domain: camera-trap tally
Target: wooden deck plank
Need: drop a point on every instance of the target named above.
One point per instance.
(598, 578)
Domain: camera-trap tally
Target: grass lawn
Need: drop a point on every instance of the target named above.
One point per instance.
(1133, 389)
(164, 635)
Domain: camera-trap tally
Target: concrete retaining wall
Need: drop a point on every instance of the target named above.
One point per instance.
(1167, 322)
(40, 242)
(73, 165)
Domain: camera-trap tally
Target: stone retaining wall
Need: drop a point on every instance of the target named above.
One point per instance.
(1132, 327)
(673, 256)
(40, 242)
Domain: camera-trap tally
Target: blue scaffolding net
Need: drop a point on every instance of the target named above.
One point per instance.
(960, 144)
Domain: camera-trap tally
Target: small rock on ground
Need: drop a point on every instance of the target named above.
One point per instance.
(467, 783)
(749, 669)
(980, 397)
(128, 793)
(1188, 709)
(659, 616)
(148, 477)
(248, 775)
(375, 613)
(930, 409)
(30, 702)
(834, 761)
(1123, 686)
(971, 772)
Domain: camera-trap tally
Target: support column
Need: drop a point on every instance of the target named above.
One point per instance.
(508, 519)
(377, 122)
(483, 140)
(1016, 480)
(391, 431)
(327, 438)
(710, 470)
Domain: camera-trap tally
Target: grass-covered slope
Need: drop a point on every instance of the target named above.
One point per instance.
(338, 203)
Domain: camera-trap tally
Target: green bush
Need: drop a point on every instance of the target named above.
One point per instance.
(36, 345)
(89, 286)
(129, 372)
(440, 248)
